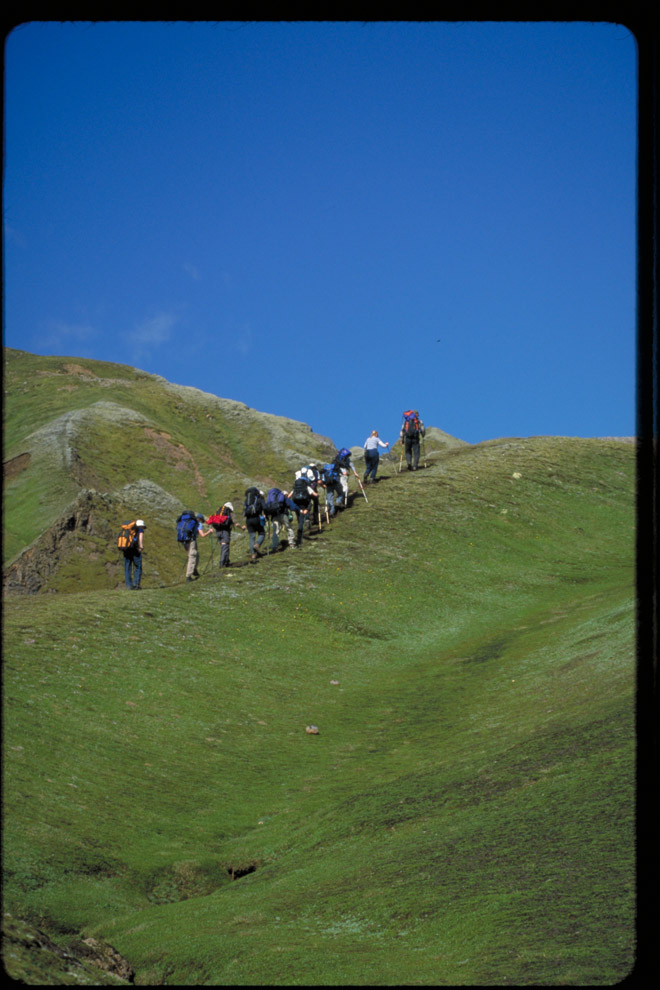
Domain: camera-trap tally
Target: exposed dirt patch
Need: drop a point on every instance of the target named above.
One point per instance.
(236, 872)
(12, 468)
(77, 369)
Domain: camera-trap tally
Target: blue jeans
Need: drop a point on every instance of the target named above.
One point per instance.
(132, 569)
(331, 494)
(257, 532)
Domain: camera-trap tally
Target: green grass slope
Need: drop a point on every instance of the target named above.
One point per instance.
(74, 425)
(464, 642)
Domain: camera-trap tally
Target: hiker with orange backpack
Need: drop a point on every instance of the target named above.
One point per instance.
(412, 430)
(131, 544)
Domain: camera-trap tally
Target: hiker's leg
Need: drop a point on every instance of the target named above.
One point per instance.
(128, 570)
(291, 536)
(193, 556)
(137, 570)
(224, 549)
(415, 454)
(261, 535)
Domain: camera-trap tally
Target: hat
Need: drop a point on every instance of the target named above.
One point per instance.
(140, 522)
(229, 506)
(199, 517)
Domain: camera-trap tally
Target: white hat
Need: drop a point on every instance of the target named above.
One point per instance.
(229, 506)
(140, 522)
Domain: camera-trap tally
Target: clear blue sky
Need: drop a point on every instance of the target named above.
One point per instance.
(334, 221)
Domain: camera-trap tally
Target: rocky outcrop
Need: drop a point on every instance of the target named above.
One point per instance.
(30, 957)
(30, 571)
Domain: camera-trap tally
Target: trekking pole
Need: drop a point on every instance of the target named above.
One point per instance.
(210, 561)
(401, 458)
(360, 484)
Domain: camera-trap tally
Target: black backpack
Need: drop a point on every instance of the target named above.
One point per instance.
(300, 495)
(411, 424)
(253, 505)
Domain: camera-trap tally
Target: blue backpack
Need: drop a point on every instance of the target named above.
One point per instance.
(275, 502)
(330, 474)
(186, 526)
(343, 457)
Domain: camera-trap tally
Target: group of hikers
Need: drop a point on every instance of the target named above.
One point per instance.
(275, 509)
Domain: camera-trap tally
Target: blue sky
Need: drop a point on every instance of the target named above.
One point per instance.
(334, 221)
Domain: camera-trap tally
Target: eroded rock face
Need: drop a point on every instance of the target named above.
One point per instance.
(107, 958)
(31, 570)
(31, 957)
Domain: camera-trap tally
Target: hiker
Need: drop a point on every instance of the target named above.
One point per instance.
(277, 509)
(133, 557)
(330, 479)
(343, 463)
(253, 509)
(188, 528)
(312, 475)
(223, 522)
(302, 495)
(411, 431)
(371, 455)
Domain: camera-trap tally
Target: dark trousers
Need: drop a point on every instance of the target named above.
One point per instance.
(412, 451)
(371, 458)
(224, 536)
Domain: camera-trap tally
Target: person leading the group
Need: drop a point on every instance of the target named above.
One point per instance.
(412, 430)
(371, 455)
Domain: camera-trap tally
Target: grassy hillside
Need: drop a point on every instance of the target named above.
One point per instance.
(73, 424)
(464, 642)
